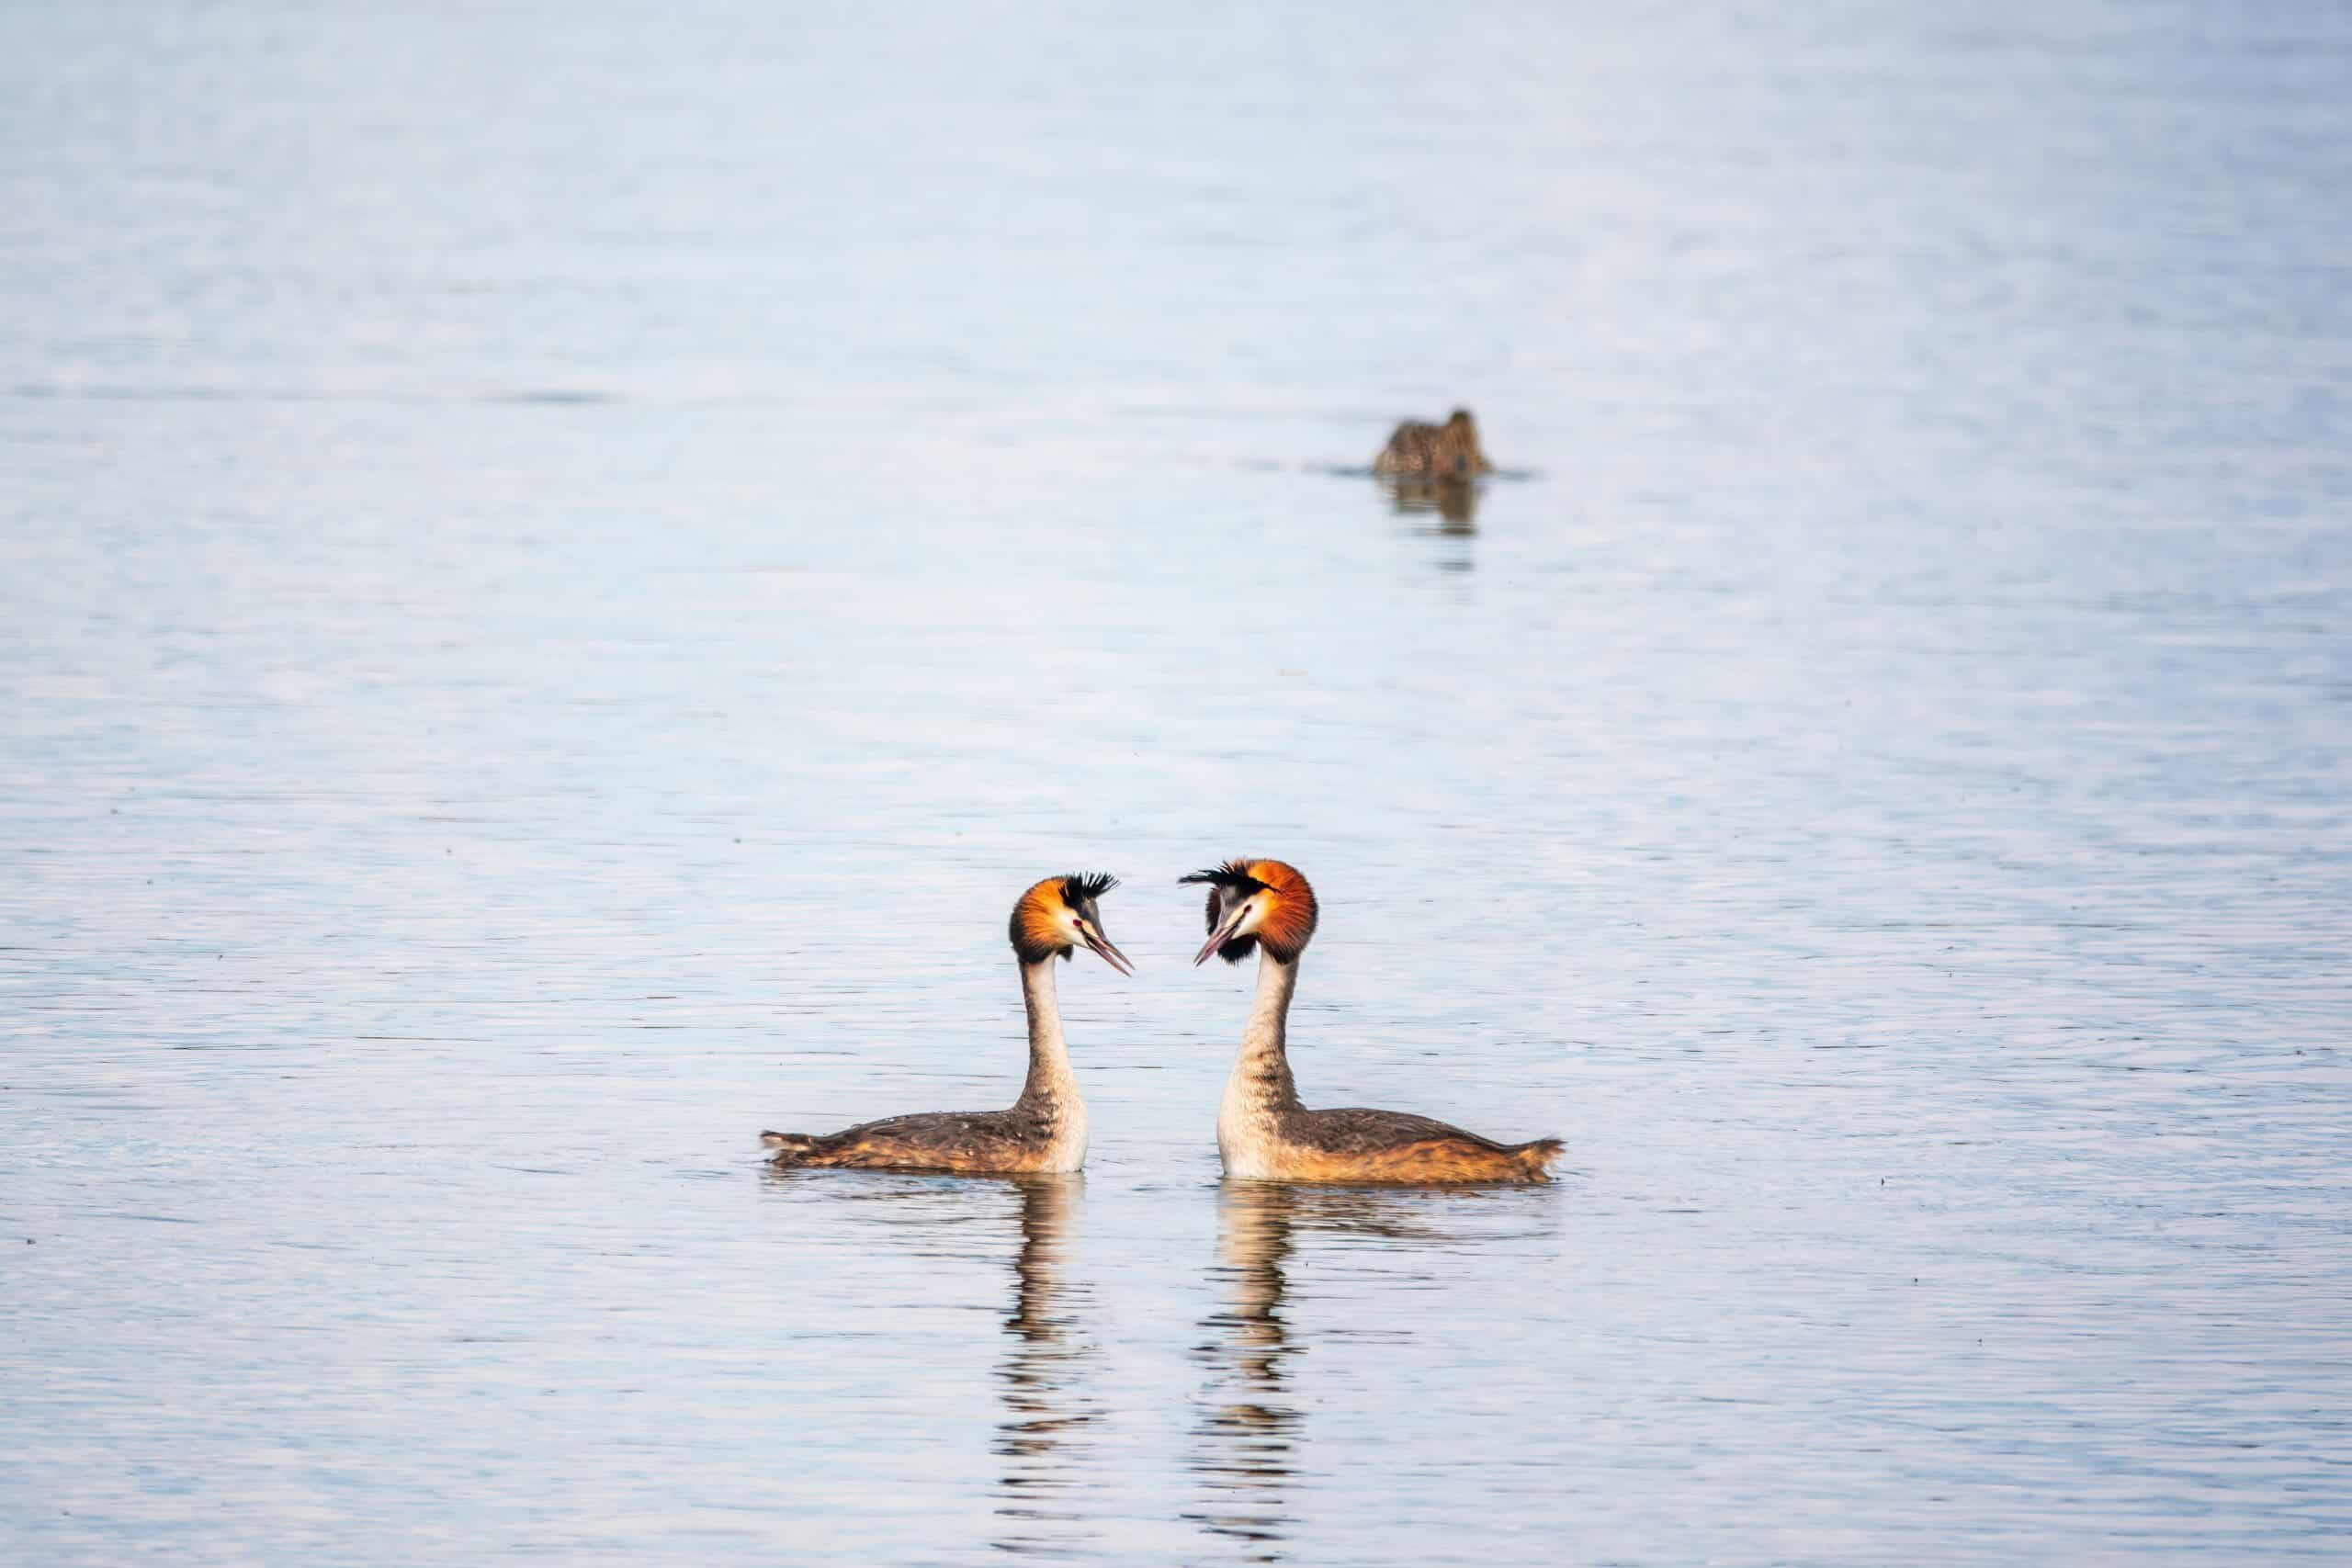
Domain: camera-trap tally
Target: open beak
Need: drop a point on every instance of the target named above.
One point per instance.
(1101, 946)
(1222, 935)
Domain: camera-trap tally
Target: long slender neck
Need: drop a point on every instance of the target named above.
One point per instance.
(1049, 1074)
(1263, 1067)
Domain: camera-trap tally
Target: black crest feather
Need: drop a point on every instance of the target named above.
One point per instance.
(1229, 875)
(1229, 881)
(1082, 884)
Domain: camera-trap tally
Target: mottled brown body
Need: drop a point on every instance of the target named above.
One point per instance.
(1362, 1145)
(1447, 451)
(1021, 1141)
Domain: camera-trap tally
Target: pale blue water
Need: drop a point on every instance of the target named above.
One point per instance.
(561, 566)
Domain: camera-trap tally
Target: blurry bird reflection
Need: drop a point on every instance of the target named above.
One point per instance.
(1454, 502)
(1249, 1429)
(1251, 1434)
(1045, 1380)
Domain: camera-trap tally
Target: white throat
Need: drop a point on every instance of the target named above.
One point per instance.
(1260, 1089)
(1052, 1089)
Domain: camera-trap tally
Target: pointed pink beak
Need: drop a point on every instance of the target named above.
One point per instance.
(1222, 935)
(1101, 945)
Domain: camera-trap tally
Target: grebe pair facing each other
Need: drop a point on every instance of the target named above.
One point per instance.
(1263, 1132)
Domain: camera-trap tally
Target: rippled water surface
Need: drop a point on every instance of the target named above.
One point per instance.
(561, 566)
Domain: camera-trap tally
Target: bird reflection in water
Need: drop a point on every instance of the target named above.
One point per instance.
(1250, 1431)
(1044, 1380)
(1452, 501)
(1248, 1427)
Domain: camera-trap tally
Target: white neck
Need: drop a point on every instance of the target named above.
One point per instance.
(1049, 1074)
(1260, 1089)
(1266, 1032)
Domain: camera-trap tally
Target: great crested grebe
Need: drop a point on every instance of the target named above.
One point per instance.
(1046, 1129)
(1447, 451)
(1262, 1131)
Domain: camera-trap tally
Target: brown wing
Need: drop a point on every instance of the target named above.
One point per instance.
(1393, 1145)
(1408, 449)
(931, 1140)
(1358, 1131)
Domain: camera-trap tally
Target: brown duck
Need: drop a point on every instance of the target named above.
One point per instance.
(1447, 451)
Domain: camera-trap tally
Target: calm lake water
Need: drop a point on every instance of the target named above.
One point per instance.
(562, 566)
